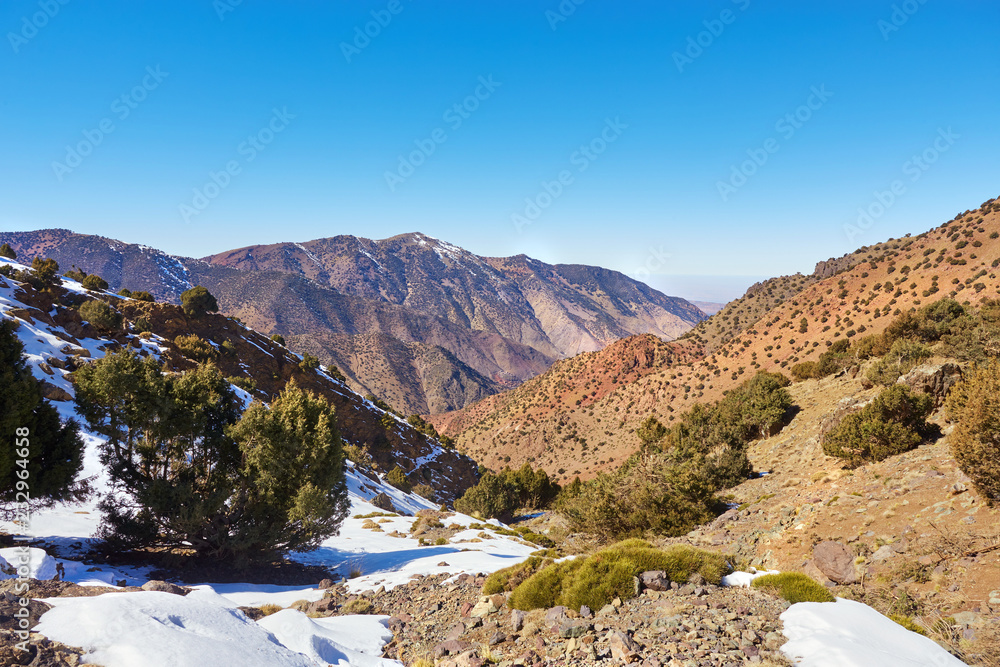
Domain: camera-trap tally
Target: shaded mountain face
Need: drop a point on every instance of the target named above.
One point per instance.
(421, 323)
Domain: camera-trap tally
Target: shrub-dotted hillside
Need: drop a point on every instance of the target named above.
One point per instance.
(958, 259)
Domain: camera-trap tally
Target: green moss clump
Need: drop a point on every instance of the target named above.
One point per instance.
(794, 587)
(544, 588)
(908, 623)
(510, 578)
(597, 579)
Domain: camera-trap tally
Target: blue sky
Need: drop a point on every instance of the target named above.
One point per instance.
(607, 135)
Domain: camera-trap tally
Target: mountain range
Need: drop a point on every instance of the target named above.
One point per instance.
(418, 322)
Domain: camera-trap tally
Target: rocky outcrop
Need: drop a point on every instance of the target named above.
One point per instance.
(835, 561)
(936, 380)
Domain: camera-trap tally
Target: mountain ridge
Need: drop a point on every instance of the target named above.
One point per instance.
(456, 327)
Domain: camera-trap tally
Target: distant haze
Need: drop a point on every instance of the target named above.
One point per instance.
(718, 289)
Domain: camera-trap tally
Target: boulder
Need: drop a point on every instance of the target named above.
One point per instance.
(556, 615)
(450, 647)
(54, 393)
(384, 502)
(574, 629)
(655, 580)
(623, 648)
(516, 620)
(835, 561)
(163, 587)
(936, 380)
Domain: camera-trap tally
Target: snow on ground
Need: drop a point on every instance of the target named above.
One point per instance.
(744, 579)
(851, 634)
(39, 564)
(338, 640)
(164, 630)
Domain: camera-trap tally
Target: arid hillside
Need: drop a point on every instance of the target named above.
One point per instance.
(575, 420)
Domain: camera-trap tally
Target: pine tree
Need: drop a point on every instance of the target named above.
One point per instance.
(54, 452)
(198, 301)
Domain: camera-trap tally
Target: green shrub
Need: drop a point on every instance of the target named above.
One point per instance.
(805, 370)
(599, 578)
(142, 324)
(309, 362)
(894, 422)
(509, 578)
(279, 339)
(94, 283)
(45, 273)
(499, 496)
(794, 587)
(544, 588)
(76, 275)
(425, 491)
(142, 296)
(101, 315)
(359, 455)
(7, 251)
(974, 406)
(908, 623)
(198, 301)
(248, 385)
(195, 347)
(398, 479)
(901, 358)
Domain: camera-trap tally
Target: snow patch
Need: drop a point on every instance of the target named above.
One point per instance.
(846, 633)
(338, 640)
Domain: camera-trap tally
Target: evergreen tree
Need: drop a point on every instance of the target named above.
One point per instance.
(7, 251)
(54, 451)
(189, 472)
(198, 301)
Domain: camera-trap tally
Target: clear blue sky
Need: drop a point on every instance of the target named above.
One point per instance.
(650, 201)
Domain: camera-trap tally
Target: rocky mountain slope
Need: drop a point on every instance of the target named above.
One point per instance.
(58, 341)
(419, 322)
(559, 422)
(560, 310)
